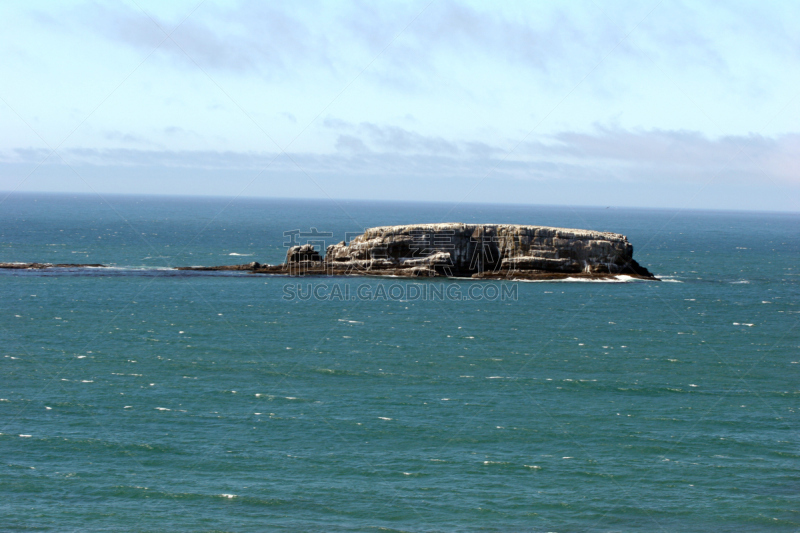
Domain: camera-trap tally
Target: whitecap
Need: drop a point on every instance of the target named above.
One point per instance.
(162, 409)
(229, 496)
(384, 418)
(241, 255)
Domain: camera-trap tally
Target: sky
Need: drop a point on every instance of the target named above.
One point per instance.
(635, 104)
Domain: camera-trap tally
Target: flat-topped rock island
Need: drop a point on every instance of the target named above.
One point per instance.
(489, 251)
(485, 251)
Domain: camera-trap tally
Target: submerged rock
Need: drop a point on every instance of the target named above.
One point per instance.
(45, 266)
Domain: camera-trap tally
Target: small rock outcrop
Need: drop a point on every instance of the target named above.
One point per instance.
(305, 252)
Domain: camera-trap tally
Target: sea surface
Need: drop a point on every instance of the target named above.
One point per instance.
(143, 399)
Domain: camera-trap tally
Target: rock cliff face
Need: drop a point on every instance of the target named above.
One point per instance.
(482, 250)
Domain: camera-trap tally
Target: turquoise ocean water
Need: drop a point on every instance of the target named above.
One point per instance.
(137, 399)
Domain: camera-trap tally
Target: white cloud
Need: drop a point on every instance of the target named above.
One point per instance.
(612, 155)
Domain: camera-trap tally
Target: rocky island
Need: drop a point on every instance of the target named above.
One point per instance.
(485, 251)
(489, 251)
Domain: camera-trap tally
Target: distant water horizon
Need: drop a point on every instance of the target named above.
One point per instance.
(212, 403)
(345, 200)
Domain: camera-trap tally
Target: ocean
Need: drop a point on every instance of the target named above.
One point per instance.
(139, 398)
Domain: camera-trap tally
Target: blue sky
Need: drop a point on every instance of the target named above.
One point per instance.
(652, 104)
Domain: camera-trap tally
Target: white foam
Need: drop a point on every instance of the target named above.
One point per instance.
(229, 496)
(241, 255)
(621, 278)
(384, 418)
(162, 409)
